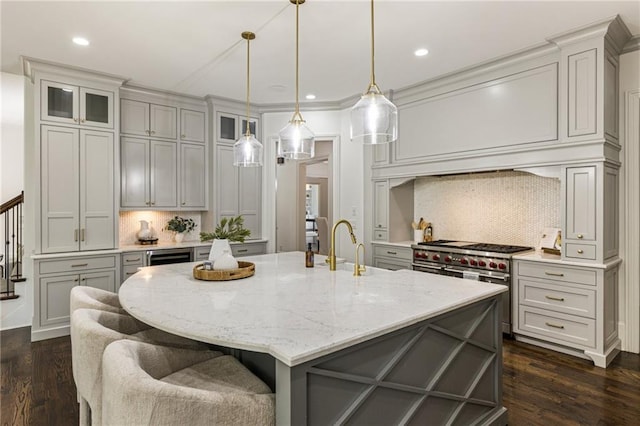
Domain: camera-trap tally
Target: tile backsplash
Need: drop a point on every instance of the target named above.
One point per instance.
(505, 207)
(130, 225)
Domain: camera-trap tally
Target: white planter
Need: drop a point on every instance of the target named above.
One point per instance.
(217, 249)
(178, 237)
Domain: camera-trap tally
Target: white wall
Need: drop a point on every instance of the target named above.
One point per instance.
(348, 169)
(630, 201)
(17, 312)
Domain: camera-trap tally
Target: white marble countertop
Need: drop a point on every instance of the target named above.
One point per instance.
(540, 256)
(291, 312)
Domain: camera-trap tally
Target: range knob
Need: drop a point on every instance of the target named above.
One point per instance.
(502, 266)
(493, 265)
(464, 261)
(473, 262)
(435, 257)
(447, 258)
(482, 263)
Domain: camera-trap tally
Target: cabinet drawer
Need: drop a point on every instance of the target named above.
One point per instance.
(201, 253)
(133, 259)
(392, 265)
(580, 251)
(127, 271)
(247, 249)
(401, 253)
(380, 236)
(558, 298)
(560, 327)
(78, 264)
(557, 273)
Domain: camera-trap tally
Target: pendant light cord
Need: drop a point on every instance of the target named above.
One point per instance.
(248, 132)
(297, 113)
(373, 87)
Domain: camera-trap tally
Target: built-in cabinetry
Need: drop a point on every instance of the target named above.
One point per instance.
(569, 308)
(161, 168)
(131, 262)
(67, 103)
(392, 209)
(55, 277)
(249, 248)
(238, 189)
(392, 256)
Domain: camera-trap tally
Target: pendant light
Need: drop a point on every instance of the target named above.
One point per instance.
(374, 119)
(296, 140)
(247, 151)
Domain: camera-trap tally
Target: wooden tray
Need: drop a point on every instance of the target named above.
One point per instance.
(245, 269)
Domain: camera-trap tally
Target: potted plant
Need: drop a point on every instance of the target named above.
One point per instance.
(180, 226)
(229, 229)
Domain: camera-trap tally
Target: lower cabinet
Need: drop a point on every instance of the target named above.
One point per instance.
(248, 248)
(131, 262)
(54, 279)
(391, 256)
(568, 308)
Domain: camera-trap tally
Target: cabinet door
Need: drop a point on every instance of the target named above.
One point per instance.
(582, 93)
(163, 121)
(97, 210)
(134, 173)
(105, 280)
(192, 176)
(227, 125)
(226, 182)
(581, 203)
(192, 127)
(134, 117)
(96, 108)
(381, 205)
(54, 299)
(250, 198)
(164, 174)
(253, 127)
(59, 102)
(59, 189)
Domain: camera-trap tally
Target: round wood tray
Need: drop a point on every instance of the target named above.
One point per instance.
(245, 269)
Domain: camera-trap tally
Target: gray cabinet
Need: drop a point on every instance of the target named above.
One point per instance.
(54, 279)
(391, 256)
(392, 209)
(77, 190)
(231, 126)
(248, 248)
(192, 125)
(148, 119)
(131, 262)
(72, 104)
(239, 191)
(149, 173)
(193, 177)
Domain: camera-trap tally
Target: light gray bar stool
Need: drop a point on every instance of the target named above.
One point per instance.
(145, 384)
(91, 331)
(95, 298)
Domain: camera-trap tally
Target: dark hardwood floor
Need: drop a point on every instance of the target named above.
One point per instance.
(541, 387)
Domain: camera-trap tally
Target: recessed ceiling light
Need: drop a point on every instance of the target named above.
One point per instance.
(421, 52)
(311, 96)
(81, 41)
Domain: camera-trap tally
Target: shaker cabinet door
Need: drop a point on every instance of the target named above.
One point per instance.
(192, 176)
(59, 102)
(164, 174)
(192, 126)
(134, 173)
(581, 203)
(134, 117)
(381, 205)
(163, 120)
(96, 108)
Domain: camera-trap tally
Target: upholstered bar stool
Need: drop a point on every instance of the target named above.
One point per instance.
(145, 384)
(95, 298)
(91, 331)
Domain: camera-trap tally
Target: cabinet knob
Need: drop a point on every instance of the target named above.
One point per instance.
(147, 203)
(580, 251)
(153, 132)
(75, 120)
(183, 203)
(148, 132)
(82, 120)
(183, 136)
(153, 203)
(580, 236)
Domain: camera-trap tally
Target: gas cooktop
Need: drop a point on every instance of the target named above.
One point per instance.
(487, 247)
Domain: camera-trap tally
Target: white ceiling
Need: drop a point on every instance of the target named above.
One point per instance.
(196, 48)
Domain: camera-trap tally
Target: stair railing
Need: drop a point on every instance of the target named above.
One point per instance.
(11, 270)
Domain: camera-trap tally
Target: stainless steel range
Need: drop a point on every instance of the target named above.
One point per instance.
(462, 259)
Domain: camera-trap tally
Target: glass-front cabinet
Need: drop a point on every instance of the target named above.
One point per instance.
(65, 103)
(232, 126)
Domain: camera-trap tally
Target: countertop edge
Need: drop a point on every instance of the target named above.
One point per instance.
(541, 257)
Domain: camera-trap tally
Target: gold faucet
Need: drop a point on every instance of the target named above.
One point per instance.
(357, 268)
(331, 259)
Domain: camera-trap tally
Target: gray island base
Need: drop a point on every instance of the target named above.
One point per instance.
(386, 348)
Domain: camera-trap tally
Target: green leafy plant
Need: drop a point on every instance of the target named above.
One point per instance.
(231, 229)
(180, 224)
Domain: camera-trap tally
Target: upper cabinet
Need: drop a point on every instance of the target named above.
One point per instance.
(192, 125)
(231, 126)
(146, 119)
(72, 104)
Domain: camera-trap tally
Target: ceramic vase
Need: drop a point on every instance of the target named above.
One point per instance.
(144, 233)
(225, 261)
(178, 237)
(217, 249)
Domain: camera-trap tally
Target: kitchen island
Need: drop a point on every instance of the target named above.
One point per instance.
(384, 348)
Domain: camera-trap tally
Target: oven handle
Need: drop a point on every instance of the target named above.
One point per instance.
(503, 277)
(418, 265)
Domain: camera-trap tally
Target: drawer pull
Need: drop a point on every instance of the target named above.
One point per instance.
(129, 273)
(580, 251)
(554, 274)
(559, 299)
(580, 236)
(550, 324)
(75, 235)
(79, 265)
(392, 252)
(133, 260)
(243, 251)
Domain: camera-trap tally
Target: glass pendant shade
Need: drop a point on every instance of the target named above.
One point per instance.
(374, 119)
(297, 142)
(247, 152)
